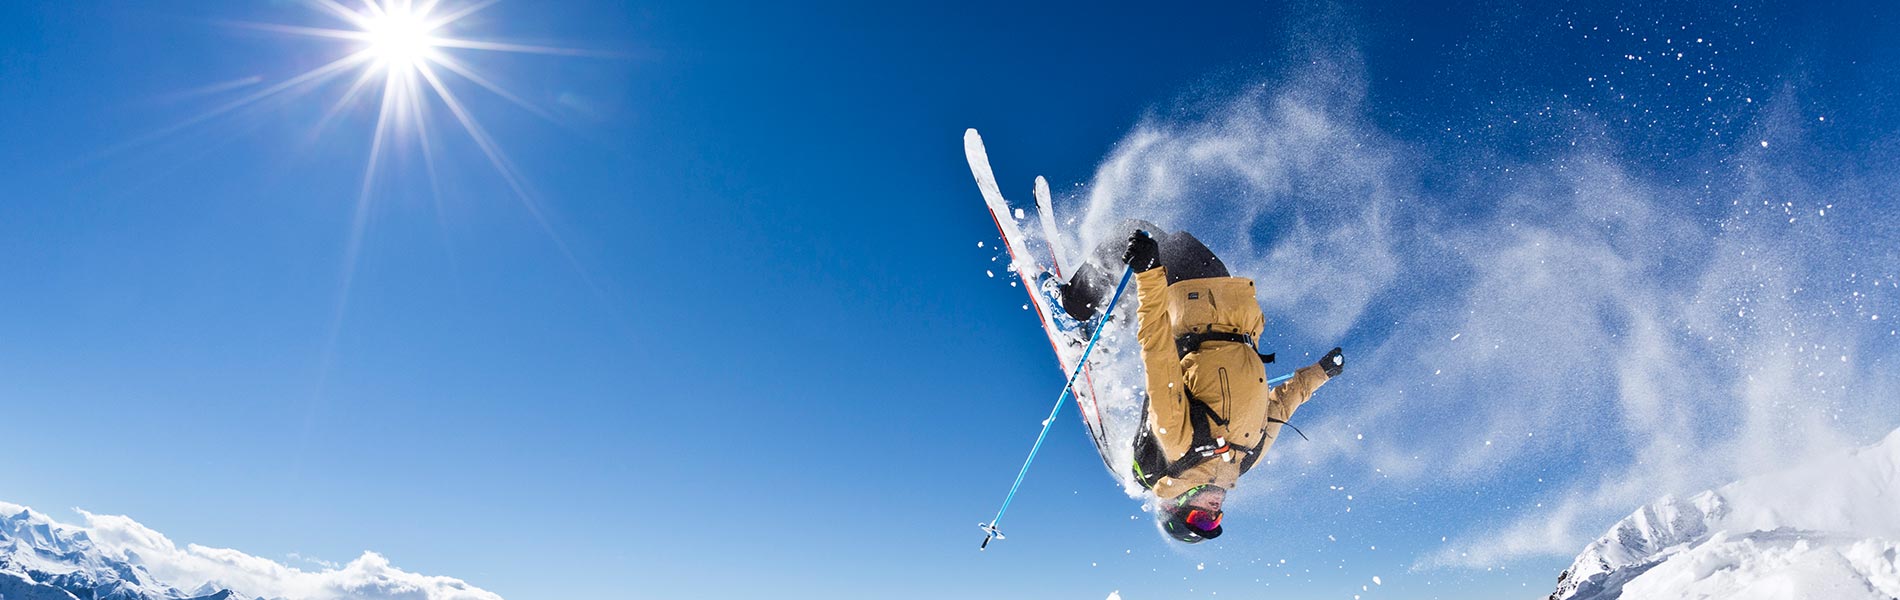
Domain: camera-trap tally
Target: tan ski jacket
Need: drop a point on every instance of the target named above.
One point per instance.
(1228, 377)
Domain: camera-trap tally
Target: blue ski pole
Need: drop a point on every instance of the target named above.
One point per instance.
(989, 530)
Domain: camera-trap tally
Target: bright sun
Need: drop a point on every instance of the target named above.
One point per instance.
(399, 38)
(410, 47)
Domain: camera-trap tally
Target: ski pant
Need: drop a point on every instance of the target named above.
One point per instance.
(1183, 255)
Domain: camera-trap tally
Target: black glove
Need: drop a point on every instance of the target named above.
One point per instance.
(1332, 363)
(1143, 253)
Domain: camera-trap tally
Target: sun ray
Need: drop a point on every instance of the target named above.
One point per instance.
(419, 113)
(340, 11)
(349, 97)
(359, 219)
(475, 132)
(459, 13)
(425, 139)
(508, 174)
(507, 170)
(456, 67)
(309, 77)
(210, 89)
(519, 48)
(303, 30)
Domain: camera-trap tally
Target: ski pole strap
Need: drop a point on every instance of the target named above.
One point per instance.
(1295, 429)
(1253, 454)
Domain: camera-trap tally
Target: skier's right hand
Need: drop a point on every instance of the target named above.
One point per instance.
(1143, 253)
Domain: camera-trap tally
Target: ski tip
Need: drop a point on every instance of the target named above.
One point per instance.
(978, 157)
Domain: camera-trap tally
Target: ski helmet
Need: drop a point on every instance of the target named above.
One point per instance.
(1190, 524)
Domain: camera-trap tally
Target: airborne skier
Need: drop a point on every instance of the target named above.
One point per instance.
(1212, 414)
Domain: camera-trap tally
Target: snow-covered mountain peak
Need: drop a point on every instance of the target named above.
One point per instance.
(42, 559)
(1657, 527)
(28, 530)
(1825, 527)
(111, 557)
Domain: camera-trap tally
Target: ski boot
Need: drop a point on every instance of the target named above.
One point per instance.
(1053, 289)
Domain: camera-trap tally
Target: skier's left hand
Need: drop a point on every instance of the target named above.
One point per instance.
(1333, 363)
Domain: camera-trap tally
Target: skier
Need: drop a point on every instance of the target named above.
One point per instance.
(1211, 414)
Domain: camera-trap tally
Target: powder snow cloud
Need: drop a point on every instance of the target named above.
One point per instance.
(1527, 311)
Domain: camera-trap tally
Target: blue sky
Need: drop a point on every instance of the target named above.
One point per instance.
(750, 331)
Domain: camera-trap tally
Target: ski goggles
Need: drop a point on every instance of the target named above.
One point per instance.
(1204, 520)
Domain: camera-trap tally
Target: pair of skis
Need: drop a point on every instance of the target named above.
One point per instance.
(1023, 263)
(1028, 269)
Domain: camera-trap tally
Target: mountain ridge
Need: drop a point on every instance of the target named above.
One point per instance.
(1824, 529)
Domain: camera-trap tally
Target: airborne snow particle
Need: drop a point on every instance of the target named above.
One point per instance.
(1375, 580)
(1764, 143)
(1200, 567)
(979, 244)
(1454, 337)
(992, 274)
